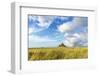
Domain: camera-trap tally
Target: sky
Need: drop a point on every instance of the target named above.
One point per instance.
(51, 31)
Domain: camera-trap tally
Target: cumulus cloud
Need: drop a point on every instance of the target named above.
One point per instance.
(68, 44)
(39, 23)
(65, 27)
(45, 21)
(71, 39)
(32, 24)
(69, 26)
(75, 39)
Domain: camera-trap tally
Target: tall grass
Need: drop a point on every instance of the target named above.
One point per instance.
(57, 53)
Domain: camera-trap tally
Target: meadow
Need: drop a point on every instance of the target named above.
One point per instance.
(57, 53)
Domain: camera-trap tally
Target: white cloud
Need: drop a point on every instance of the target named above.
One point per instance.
(31, 30)
(65, 27)
(76, 35)
(34, 18)
(35, 38)
(68, 26)
(68, 44)
(83, 36)
(70, 39)
(78, 21)
(45, 21)
(33, 27)
(77, 38)
(62, 17)
(42, 22)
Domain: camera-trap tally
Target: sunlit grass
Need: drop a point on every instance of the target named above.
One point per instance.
(57, 53)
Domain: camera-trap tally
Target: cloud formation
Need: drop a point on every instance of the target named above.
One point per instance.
(39, 23)
(76, 39)
(65, 27)
(53, 30)
(71, 25)
(44, 21)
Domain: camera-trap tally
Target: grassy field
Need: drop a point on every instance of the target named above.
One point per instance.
(57, 53)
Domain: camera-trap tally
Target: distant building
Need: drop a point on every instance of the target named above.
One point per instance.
(62, 45)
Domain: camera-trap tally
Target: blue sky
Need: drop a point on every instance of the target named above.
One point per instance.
(50, 31)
